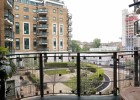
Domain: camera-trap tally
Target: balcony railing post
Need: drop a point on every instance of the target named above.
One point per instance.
(41, 75)
(115, 73)
(78, 75)
(136, 68)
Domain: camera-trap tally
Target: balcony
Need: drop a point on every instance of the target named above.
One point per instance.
(8, 35)
(43, 42)
(42, 19)
(69, 16)
(8, 17)
(70, 29)
(113, 72)
(42, 49)
(42, 27)
(42, 34)
(69, 35)
(42, 11)
(69, 22)
(9, 4)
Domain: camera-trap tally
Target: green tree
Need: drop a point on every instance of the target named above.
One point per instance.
(96, 43)
(75, 46)
(85, 47)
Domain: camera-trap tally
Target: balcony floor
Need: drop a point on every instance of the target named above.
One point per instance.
(95, 97)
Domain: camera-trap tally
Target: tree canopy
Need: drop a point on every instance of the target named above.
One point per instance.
(75, 46)
(96, 43)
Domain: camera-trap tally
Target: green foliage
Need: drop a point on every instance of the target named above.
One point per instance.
(58, 65)
(96, 43)
(75, 46)
(57, 71)
(85, 47)
(8, 68)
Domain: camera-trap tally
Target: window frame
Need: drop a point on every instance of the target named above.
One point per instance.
(16, 43)
(28, 28)
(18, 28)
(24, 43)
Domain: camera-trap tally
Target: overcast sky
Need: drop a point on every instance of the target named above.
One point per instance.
(97, 19)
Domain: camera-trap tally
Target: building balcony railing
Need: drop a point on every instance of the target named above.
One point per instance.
(70, 29)
(69, 35)
(42, 19)
(9, 17)
(9, 4)
(42, 11)
(69, 22)
(42, 34)
(70, 16)
(42, 27)
(43, 42)
(103, 73)
(8, 35)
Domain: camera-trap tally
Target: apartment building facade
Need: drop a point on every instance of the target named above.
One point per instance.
(41, 26)
(129, 40)
(6, 23)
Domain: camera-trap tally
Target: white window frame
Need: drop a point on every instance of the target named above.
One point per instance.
(52, 29)
(29, 28)
(62, 29)
(16, 7)
(16, 15)
(23, 42)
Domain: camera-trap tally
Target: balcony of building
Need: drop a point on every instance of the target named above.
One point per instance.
(43, 42)
(9, 4)
(69, 16)
(118, 71)
(69, 35)
(69, 29)
(42, 11)
(69, 22)
(42, 19)
(42, 27)
(42, 34)
(8, 17)
(9, 35)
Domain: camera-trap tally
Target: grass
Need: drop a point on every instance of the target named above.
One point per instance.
(58, 71)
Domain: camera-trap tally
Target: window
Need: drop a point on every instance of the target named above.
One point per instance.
(26, 17)
(54, 11)
(61, 19)
(34, 10)
(26, 28)
(54, 43)
(17, 15)
(54, 18)
(54, 29)
(34, 28)
(61, 43)
(35, 44)
(16, 7)
(17, 27)
(61, 12)
(17, 43)
(26, 9)
(26, 43)
(61, 29)
(34, 18)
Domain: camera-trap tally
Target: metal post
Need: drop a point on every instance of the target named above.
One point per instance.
(136, 68)
(41, 75)
(78, 75)
(115, 73)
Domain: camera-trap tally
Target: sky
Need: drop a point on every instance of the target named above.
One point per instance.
(97, 19)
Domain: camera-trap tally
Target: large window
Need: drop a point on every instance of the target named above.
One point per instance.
(61, 29)
(17, 27)
(54, 29)
(26, 28)
(54, 43)
(34, 28)
(17, 43)
(34, 43)
(26, 43)
(26, 9)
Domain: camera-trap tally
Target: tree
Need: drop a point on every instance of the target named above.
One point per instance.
(7, 69)
(75, 46)
(96, 43)
(85, 47)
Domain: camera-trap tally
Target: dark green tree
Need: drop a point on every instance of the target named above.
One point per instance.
(85, 47)
(96, 43)
(75, 46)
